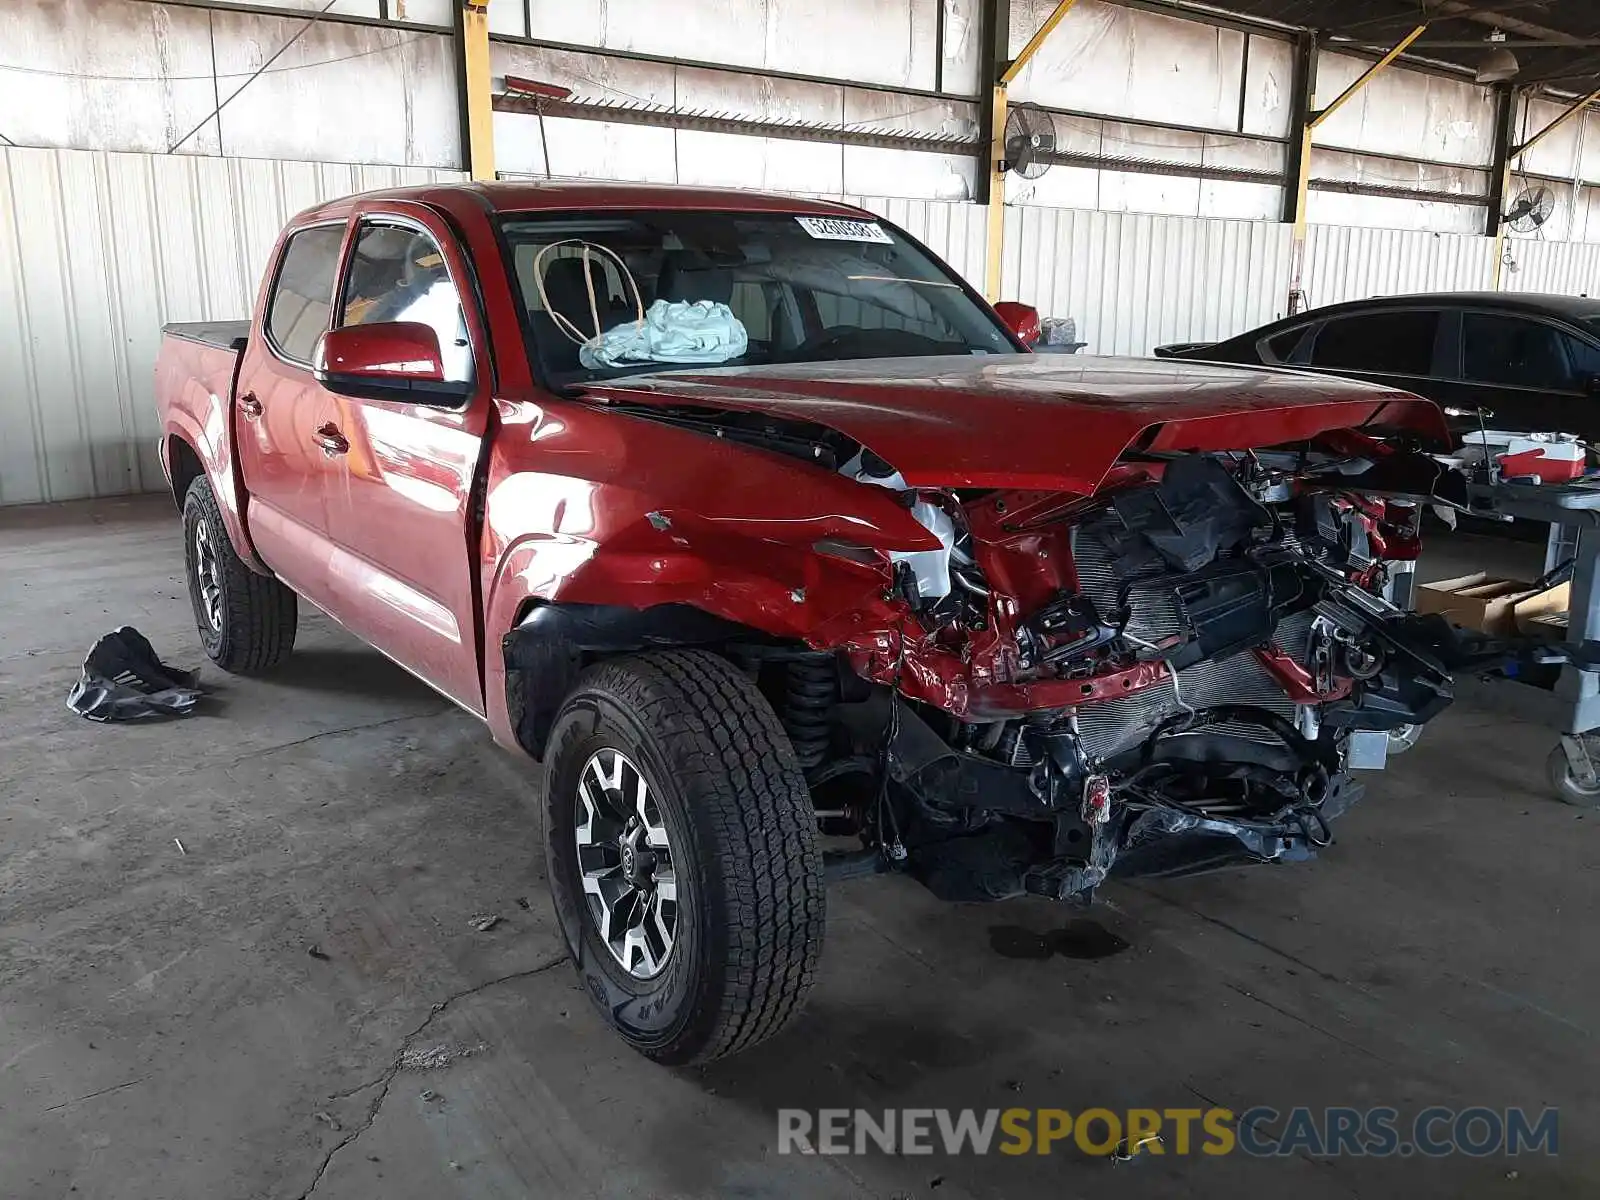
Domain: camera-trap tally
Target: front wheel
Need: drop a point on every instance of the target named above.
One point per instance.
(681, 846)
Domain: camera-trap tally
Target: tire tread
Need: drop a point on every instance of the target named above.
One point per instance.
(260, 614)
(736, 767)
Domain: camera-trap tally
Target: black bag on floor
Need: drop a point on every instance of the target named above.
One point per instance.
(123, 680)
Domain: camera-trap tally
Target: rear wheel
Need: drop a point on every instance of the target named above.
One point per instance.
(246, 620)
(681, 845)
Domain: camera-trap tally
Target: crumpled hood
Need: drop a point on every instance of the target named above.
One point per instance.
(1039, 421)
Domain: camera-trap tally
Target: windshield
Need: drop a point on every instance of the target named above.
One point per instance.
(733, 289)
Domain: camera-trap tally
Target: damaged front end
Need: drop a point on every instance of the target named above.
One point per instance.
(1177, 673)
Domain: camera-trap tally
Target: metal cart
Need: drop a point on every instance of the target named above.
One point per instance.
(1572, 511)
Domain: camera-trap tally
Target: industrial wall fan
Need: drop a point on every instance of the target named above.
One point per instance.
(1531, 209)
(1030, 135)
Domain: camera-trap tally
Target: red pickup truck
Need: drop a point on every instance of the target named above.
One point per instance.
(789, 559)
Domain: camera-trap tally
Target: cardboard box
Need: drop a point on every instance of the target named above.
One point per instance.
(1544, 614)
(1505, 607)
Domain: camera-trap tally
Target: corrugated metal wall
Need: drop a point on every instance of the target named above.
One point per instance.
(1134, 281)
(957, 233)
(97, 251)
(1570, 268)
(1345, 263)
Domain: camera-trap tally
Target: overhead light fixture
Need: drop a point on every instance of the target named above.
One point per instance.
(1499, 64)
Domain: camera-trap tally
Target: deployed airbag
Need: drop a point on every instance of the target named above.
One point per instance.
(673, 331)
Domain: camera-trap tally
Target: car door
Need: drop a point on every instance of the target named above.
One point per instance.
(401, 506)
(281, 412)
(1532, 374)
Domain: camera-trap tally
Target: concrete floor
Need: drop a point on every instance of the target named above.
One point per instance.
(264, 1011)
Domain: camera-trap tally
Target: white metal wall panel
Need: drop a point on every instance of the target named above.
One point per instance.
(1135, 281)
(1348, 263)
(97, 251)
(1565, 268)
(871, 41)
(130, 75)
(957, 233)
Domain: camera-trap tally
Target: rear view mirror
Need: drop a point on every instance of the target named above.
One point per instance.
(387, 360)
(1021, 319)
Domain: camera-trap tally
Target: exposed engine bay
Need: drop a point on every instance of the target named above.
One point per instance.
(1174, 674)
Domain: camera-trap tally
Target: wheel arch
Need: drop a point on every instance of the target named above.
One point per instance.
(183, 466)
(552, 643)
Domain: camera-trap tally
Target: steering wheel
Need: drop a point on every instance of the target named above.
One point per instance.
(835, 337)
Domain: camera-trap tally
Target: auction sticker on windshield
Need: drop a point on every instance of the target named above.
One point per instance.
(834, 230)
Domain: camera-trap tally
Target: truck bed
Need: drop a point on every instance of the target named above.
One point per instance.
(222, 335)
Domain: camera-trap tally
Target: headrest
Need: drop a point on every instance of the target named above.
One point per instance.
(681, 280)
(566, 293)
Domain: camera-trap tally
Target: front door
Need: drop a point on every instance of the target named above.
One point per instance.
(401, 513)
(281, 415)
(1399, 347)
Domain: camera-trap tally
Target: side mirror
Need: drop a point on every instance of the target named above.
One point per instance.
(1021, 319)
(387, 360)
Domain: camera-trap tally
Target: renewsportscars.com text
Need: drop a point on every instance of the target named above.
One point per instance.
(1260, 1132)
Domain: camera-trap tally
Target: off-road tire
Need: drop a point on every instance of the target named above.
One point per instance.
(257, 614)
(743, 832)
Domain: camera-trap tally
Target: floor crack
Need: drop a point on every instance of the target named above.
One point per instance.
(273, 749)
(386, 1080)
(117, 1087)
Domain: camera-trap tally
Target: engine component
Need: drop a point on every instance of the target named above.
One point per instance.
(1235, 603)
(1197, 510)
(1179, 693)
(1069, 628)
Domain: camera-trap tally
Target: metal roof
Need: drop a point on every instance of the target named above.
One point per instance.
(1556, 42)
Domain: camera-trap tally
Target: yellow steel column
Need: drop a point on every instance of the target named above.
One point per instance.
(1517, 152)
(1302, 182)
(997, 197)
(997, 147)
(1500, 230)
(476, 91)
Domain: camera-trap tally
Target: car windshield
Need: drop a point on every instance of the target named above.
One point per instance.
(624, 293)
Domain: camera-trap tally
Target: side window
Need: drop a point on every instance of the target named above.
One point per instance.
(1392, 342)
(398, 274)
(1585, 359)
(302, 295)
(1517, 352)
(1284, 347)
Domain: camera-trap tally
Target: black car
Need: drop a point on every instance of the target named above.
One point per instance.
(1533, 361)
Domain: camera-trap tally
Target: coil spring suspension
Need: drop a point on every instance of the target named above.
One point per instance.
(809, 694)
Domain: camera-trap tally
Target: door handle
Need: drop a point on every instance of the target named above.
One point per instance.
(331, 440)
(249, 405)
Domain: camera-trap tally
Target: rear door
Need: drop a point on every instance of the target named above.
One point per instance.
(401, 507)
(1532, 374)
(281, 413)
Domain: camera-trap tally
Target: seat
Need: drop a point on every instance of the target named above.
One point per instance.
(565, 292)
(682, 279)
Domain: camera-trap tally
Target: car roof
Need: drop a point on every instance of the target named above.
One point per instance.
(1571, 308)
(564, 195)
